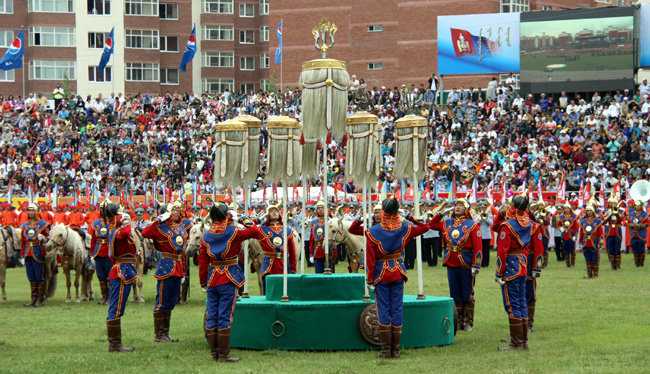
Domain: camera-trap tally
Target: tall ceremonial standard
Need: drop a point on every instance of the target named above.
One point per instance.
(410, 162)
(324, 103)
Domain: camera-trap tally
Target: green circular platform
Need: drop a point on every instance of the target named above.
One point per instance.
(323, 314)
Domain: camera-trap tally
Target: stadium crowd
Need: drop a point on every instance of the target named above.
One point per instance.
(136, 142)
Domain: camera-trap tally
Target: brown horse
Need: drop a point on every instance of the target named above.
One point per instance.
(73, 252)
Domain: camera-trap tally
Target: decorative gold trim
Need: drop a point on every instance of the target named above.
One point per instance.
(231, 125)
(411, 120)
(249, 120)
(283, 122)
(323, 63)
(362, 118)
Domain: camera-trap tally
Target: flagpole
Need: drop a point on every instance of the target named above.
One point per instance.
(23, 57)
(281, 65)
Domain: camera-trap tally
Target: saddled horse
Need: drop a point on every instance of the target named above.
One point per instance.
(144, 248)
(339, 234)
(73, 253)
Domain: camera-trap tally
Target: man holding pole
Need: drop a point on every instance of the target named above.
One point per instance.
(272, 245)
(316, 242)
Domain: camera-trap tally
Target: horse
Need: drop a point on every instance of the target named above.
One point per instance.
(73, 252)
(9, 253)
(143, 247)
(339, 234)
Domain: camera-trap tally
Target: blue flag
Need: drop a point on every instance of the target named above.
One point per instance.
(13, 57)
(190, 49)
(278, 52)
(108, 51)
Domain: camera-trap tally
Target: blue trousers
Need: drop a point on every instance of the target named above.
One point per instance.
(514, 297)
(34, 270)
(638, 245)
(103, 268)
(613, 245)
(319, 265)
(591, 254)
(119, 295)
(221, 305)
(461, 284)
(531, 290)
(568, 246)
(167, 293)
(390, 301)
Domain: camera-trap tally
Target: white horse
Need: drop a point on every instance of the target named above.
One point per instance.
(339, 234)
(73, 252)
(9, 246)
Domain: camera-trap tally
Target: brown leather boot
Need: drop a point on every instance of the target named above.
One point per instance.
(516, 337)
(385, 338)
(40, 293)
(588, 269)
(594, 268)
(567, 258)
(168, 317)
(211, 335)
(224, 346)
(469, 316)
(396, 338)
(641, 259)
(184, 287)
(525, 329)
(103, 287)
(158, 327)
(461, 316)
(531, 317)
(573, 259)
(612, 261)
(33, 288)
(114, 329)
(618, 262)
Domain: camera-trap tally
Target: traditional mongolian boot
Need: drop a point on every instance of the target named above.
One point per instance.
(115, 337)
(516, 336)
(40, 293)
(103, 287)
(526, 327)
(618, 262)
(588, 270)
(641, 259)
(636, 259)
(211, 335)
(469, 316)
(184, 287)
(159, 326)
(573, 260)
(168, 317)
(567, 258)
(33, 286)
(224, 346)
(385, 338)
(612, 261)
(461, 316)
(531, 317)
(595, 265)
(396, 336)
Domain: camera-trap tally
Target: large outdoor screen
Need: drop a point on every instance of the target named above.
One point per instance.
(577, 50)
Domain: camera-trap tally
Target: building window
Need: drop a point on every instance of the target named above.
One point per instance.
(219, 32)
(50, 36)
(6, 75)
(264, 7)
(142, 39)
(375, 66)
(515, 6)
(141, 7)
(6, 38)
(51, 70)
(168, 43)
(218, 6)
(546, 8)
(97, 39)
(168, 11)
(247, 63)
(375, 28)
(246, 37)
(51, 6)
(265, 85)
(247, 10)
(7, 7)
(142, 72)
(265, 61)
(168, 76)
(246, 88)
(264, 34)
(99, 7)
(218, 85)
(99, 76)
(219, 59)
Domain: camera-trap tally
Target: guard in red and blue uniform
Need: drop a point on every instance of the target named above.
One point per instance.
(170, 239)
(463, 255)
(591, 231)
(386, 270)
(569, 222)
(220, 274)
(272, 245)
(99, 230)
(534, 262)
(316, 241)
(614, 221)
(638, 222)
(33, 233)
(122, 251)
(512, 243)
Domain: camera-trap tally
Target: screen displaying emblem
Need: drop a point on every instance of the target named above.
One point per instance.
(277, 241)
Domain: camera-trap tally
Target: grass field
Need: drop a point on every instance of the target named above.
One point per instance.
(585, 61)
(590, 326)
